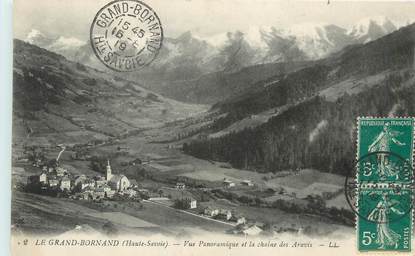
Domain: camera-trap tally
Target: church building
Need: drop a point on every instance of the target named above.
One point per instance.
(117, 182)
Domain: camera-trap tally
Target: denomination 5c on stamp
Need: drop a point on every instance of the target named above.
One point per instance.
(384, 183)
(126, 35)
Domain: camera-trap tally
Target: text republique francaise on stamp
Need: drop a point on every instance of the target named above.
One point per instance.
(384, 184)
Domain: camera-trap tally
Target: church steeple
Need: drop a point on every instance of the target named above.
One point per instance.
(109, 171)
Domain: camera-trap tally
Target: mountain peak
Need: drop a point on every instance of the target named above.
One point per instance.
(34, 33)
(186, 36)
(194, 54)
(254, 35)
(371, 28)
(38, 38)
(66, 42)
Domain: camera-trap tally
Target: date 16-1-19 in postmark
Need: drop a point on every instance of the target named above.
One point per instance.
(384, 183)
(126, 35)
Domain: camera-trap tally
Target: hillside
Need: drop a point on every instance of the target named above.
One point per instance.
(60, 101)
(306, 118)
(218, 86)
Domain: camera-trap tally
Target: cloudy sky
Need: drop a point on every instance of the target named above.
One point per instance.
(205, 17)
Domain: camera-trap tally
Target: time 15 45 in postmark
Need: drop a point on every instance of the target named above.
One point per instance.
(126, 35)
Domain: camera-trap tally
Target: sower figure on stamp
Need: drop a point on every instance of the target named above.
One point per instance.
(382, 143)
(385, 236)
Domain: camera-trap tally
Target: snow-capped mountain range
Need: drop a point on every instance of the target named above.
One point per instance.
(190, 55)
(369, 29)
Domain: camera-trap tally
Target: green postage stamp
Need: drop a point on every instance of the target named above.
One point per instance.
(384, 182)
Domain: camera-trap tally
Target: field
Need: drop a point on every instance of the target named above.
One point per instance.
(305, 178)
(44, 214)
(176, 193)
(171, 161)
(280, 219)
(120, 218)
(215, 173)
(49, 215)
(251, 122)
(352, 86)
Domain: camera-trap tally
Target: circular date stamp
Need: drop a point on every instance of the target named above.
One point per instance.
(378, 199)
(126, 35)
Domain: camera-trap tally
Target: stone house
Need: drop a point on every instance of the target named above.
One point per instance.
(247, 183)
(98, 193)
(211, 212)
(85, 194)
(238, 219)
(65, 184)
(228, 183)
(224, 214)
(81, 183)
(53, 182)
(193, 203)
(100, 181)
(180, 185)
(60, 172)
(43, 178)
(104, 187)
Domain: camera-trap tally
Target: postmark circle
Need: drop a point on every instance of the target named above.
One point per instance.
(375, 192)
(126, 35)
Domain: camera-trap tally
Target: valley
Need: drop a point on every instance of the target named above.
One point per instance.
(271, 150)
(162, 168)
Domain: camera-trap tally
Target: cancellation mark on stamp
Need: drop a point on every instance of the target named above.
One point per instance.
(382, 190)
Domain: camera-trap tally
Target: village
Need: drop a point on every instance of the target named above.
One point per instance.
(138, 187)
(56, 181)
